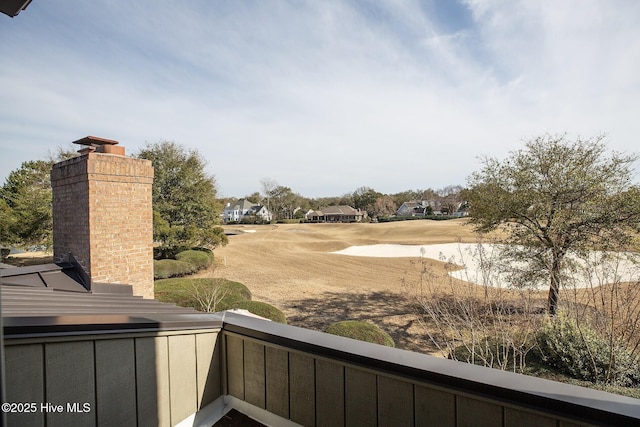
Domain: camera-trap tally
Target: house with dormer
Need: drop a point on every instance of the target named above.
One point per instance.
(243, 210)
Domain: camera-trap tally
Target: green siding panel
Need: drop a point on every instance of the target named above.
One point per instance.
(254, 374)
(70, 378)
(302, 379)
(235, 366)
(515, 418)
(395, 402)
(152, 373)
(434, 407)
(208, 368)
(360, 398)
(182, 377)
(25, 382)
(277, 381)
(329, 394)
(477, 413)
(115, 382)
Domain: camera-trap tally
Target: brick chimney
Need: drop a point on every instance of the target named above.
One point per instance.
(102, 216)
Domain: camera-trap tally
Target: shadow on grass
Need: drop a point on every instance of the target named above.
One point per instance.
(391, 311)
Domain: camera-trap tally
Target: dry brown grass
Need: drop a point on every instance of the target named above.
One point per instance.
(289, 266)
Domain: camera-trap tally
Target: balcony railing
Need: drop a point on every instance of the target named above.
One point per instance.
(190, 372)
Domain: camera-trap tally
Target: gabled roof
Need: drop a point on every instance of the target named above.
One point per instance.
(410, 204)
(339, 210)
(242, 204)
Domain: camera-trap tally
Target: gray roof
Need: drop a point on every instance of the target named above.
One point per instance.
(49, 296)
(338, 210)
(243, 204)
(57, 289)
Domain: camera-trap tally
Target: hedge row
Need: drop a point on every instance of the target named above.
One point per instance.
(416, 218)
(185, 262)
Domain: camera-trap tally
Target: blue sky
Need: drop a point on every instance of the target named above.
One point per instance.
(321, 96)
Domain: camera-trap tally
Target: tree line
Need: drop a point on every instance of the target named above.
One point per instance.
(284, 203)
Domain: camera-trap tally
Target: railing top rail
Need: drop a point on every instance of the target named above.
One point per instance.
(514, 389)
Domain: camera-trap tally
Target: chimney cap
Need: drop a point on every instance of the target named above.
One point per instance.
(94, 140)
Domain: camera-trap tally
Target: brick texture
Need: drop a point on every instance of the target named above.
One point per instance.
(102, 214)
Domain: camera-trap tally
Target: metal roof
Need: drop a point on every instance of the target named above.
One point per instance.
(53, 276)
(50, 299)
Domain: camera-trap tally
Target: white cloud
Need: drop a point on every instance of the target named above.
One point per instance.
(322, 96)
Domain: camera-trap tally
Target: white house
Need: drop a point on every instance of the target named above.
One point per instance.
(244, 209)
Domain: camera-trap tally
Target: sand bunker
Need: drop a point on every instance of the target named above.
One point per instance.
(479, 263)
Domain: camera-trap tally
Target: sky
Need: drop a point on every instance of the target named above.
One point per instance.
(323, 97)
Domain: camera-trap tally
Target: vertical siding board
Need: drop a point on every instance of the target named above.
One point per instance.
(208, 369)
(254, 374)
(25, 382)
(360, 398)
(329, 394)
(434, 407)
(515, 418)
(115, 382)
(477, 413)
(302, 377)
(395, 402)
(235, 366)
(277, 381)
(182, 377)
(70, 378)
(152, 376)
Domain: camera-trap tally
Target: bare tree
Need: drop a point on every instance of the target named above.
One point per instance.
(485, 325)
(208, 294)
(383, 206)
(268, 186)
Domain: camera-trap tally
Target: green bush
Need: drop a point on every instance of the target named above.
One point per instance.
(165, 268)
(186, 262)
(362, 331)
(261, 309)
(182, 291)
(199, 259)
(233, 292)
(581, 352)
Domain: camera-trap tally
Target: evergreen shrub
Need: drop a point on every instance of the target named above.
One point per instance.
(362, 331)
(261, 309)
(579, 351)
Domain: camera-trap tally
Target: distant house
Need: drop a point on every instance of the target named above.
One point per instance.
(341, 213)
(417, 208)
(420, 208)
(244, 209)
